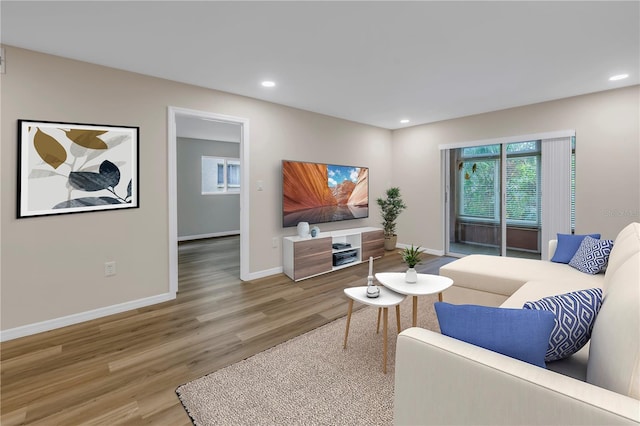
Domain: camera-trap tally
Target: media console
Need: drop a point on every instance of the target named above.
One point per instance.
(308, 257)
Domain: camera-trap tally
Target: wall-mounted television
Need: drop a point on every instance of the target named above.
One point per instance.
(320, 193)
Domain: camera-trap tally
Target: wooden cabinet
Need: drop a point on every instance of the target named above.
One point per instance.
(308, 257)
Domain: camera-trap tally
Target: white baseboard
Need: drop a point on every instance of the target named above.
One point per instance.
(265, 273)
(212, 235)
(424, 250)
(434, 252)
(39, 327)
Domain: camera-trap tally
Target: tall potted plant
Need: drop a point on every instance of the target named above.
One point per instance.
(390, 207)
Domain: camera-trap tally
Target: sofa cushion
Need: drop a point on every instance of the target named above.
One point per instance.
(592, 255)
(614, 352)
(519, 333)
(627, 244)
(534, 290)
(505, 275)
(575, 314)
(567, 246)
(574, 366)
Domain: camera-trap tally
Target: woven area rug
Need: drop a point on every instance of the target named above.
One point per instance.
(309, 379)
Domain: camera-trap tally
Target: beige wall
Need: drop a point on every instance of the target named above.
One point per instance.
(607, 126)
(52, 266)
(204, 214)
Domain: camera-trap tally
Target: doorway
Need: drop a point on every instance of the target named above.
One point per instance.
(175, 113)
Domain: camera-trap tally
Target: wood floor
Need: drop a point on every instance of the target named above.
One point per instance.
(124, 369)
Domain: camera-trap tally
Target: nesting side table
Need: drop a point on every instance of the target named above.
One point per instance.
(386, 300)
(426, 284)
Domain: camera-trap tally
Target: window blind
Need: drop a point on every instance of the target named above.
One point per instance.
(556, 190)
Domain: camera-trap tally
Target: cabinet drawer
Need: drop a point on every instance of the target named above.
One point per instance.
(372, 244)
(312, 247)
(312, 257)
(373, 236)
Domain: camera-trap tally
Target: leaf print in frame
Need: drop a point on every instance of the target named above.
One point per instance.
(75, 168)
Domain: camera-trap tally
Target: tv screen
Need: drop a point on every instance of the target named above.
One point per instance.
(319, 193)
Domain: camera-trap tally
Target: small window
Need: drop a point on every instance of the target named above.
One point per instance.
(220, 175)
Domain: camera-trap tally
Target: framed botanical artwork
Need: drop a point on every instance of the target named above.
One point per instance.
(74, 168)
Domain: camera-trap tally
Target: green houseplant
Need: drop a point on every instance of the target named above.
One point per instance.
(411, 256)
(390, 208)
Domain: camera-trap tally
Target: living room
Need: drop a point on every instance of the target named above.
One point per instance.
(52, 267)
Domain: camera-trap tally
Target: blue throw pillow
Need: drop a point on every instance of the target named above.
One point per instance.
(519, 333)
(568, 245)
(592, 255)
(575, 314)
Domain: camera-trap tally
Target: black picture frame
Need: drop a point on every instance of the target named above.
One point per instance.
(75, 168)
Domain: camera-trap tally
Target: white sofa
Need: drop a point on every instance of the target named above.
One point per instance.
(441, 380)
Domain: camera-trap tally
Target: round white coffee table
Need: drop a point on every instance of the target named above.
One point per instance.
(426, 284)
(386, 299)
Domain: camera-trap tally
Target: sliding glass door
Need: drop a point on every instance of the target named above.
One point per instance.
(494, 199)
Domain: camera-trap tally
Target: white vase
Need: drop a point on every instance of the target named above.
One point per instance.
(303, 229)
(411, 276)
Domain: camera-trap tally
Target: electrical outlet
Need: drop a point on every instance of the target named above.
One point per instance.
(109, 269)
(274, 242)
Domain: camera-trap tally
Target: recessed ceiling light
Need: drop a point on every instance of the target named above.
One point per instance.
(404, 121)
(618, 77)
(268, 84)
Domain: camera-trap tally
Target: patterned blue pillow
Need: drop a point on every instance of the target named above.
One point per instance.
(575, 314)
(592, 255)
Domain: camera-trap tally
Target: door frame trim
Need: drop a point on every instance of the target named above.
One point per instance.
(172, 172)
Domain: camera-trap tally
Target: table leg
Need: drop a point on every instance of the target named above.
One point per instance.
(398, 317)
(384, 342)
(415, 311)
(346, 332)
(378, 325)
(440, 297)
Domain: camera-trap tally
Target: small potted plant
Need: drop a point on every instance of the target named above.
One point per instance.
(411, 256)
(390, 207)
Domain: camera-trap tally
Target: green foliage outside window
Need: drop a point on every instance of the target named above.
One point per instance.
(479, 189)
(523, 198)
(479, 179)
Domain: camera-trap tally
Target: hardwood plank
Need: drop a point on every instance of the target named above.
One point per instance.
(17, 417)
(286, 317)
(157, 403)
(26, 360)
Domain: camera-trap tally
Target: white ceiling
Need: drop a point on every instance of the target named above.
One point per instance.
(370, 62)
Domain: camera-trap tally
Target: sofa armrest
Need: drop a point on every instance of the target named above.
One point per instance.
(553, 245)
(441, 380)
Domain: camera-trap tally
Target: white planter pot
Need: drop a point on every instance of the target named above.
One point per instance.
(411, 275)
